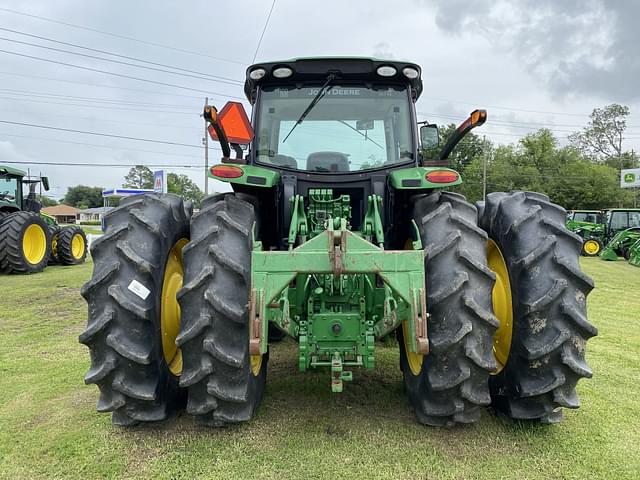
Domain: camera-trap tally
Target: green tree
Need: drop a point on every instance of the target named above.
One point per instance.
(508, 168)
(139, 176)
(82, 196)
(582, 184)
(536, 163)
(182, 185)
(47, 201)
(601, 140)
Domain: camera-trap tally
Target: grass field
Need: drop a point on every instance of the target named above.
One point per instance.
(49, 427)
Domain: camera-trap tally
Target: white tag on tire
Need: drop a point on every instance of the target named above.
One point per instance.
(139, 289)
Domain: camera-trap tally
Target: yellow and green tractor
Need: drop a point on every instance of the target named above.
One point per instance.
(30, 239)
(339, 231)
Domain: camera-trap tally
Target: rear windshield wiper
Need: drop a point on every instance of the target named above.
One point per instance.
(321, 93)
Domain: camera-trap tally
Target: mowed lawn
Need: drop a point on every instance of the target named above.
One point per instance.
(49, 426)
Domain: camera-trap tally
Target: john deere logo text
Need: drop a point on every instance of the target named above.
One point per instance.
(629, 177)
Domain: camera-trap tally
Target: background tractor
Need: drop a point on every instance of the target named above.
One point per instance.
(598, 230)
(590, 225)
(30, 239)
(336, 234)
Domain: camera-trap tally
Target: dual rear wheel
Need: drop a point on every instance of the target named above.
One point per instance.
(535, 320)
(168, 311)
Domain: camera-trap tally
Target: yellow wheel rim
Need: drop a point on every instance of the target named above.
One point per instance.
(77, 246)
(34, 244)
(413, 359)
(256, 364)
(170, 308)
(591, 247)
(502, 306)
(54, 246)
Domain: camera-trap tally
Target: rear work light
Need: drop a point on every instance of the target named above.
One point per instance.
(282, 72)
(441, 176)
(257, 73)
(410, 72)
(386, 71)
(226, 171)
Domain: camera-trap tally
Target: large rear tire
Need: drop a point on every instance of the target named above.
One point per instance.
(137, 272)
(450, 384)
(225, 382)
(25, 243)
(546, 357)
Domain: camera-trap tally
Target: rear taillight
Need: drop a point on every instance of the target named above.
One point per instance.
(226, 171)
(441, 176)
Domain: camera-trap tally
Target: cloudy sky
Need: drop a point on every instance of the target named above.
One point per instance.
(529, 63)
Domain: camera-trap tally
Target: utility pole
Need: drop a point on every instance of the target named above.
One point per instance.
(484, 167)
(205, 141)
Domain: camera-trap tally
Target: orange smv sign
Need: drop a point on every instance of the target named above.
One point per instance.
(235, 123)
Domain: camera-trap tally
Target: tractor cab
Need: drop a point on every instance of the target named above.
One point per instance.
(13, 198)
(348, 122)
(588, 216)
(10, 189)
(326, 121)
(618, 219)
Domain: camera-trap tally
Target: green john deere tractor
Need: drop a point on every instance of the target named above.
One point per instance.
(336, 233)
(30, 239)
(590, 225)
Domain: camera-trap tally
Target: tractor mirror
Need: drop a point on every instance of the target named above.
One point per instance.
(45, 183)
(364, 125)
(429, 136)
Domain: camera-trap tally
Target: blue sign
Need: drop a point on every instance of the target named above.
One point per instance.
(160, 181)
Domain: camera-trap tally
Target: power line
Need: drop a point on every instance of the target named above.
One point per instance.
(507, 108)
(111, 147)
(102, 107)
(103, 71)
(124, 37)
(266, 23)
(113, 120)
(119, 62)
(100, 134)
(244, 63)
(10, 91)
(82, 164)
(101, 85)
(117, 55)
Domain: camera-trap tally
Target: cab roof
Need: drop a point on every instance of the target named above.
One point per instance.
(314, 70)
(11, 171)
